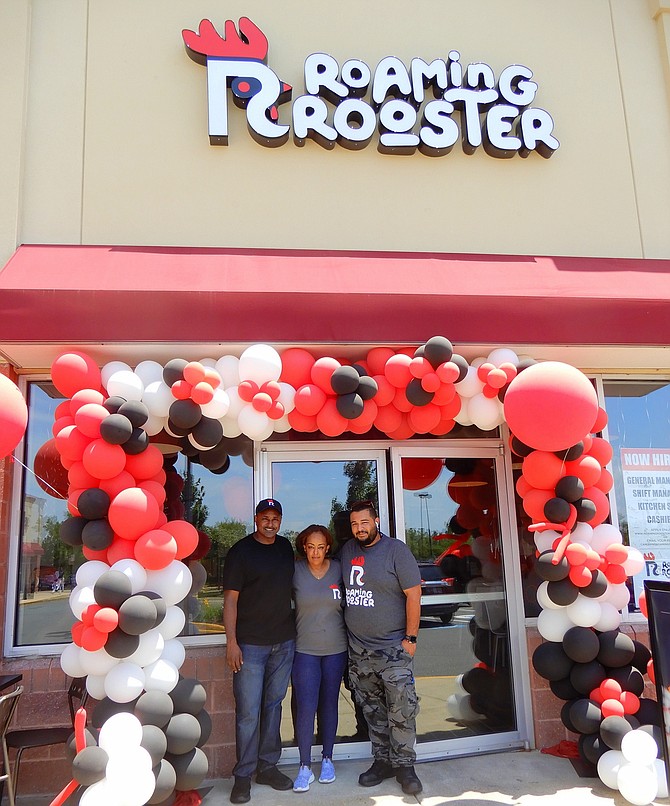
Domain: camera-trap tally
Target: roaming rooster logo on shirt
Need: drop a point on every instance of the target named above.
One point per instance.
(356, 595)
(238, 61)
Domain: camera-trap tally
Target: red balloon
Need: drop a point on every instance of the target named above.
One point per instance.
(612, 707)
(550, 406)
(72, 498)
(71, 372)
(651, 671)
(602, 505)
(63, 410)
(385, 391)
(71, 443)
(156, 489)
(533, 504)
(397, 371)
(303, 423)
(202, 393)
(132, 513)
(405, 430)
(61, 423)
(91, 554)
(575, 554)
(642, 603)
(601, 450)
(586, 468)
(310, 399)
(443, 427)
(82, 397)
(630, 702)
(120, 550)
(49, 471)
(322, 371)
(523, 487)
(161, 478)
(424, 418)
(194, 373)
(88, 419)
(610, 689)
(13, 416)
(92, 639)
(296, 366)
(420, 473)
(616, 554)
(185, 535)
(330, 421)
(449, 410)
(204, 545)
(114, 485)
(468, 517)
(445, 395)
(79, 477)
(364, 422)
(77, 631)
(615, 574)
(606, 481)
(600, 422)
(377, 358)
(543, 470)
(155, 549)
(145, 465)
(388, 419)
(102, 460)
(401, 402)
(106, 620)
(580, 576)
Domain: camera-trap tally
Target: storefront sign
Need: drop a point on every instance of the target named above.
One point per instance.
(426, 106)
(646, 479)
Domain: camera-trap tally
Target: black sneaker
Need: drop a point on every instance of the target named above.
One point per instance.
(271, 776)
(241, 792)
(408, 780)
(378, 772)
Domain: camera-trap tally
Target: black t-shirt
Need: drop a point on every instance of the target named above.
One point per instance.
(263, 575)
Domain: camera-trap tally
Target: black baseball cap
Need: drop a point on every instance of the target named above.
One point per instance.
(268, 503)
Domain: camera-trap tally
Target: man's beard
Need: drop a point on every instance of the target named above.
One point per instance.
(370, 539)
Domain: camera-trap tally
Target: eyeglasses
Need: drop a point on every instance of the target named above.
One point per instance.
(312, 547)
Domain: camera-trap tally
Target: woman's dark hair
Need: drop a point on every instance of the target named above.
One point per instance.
(314, 527)
(359, 506)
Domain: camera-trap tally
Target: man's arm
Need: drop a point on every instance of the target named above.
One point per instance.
(234, 657)
(412, 616)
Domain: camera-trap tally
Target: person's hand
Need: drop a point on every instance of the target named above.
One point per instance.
(234, 657)
(409, 647)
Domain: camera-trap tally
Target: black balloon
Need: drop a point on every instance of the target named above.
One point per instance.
(138, 442)
(563, 689)
(71, 529)
(219, 471)
(97, 535)
(616, 649)
(586, 716)
(417, 395)
(173, 371)
(154, 708)
(166, 778)
(551, 662)
(572, 453)
(462, 365)
(629, 678)
(344, 380)
(183, 733)
(463, 467)
(93, 503)
(437, 350)
(113, 404)
(154, 742)
(367, 387)
(596, 587)
(570, 488)
(159, 602)
(565, 716)
(476, 681)
(136, 412)
(613, 729)
(545, 568)
(592, 747)
(107, 708)
(120, 644)
(556, 510)
(642, 656)
(116, 429)
(520, 448)
(137, 615)
(350, 405)
(562, 592)
(208, 432)
(112, 589)
(188, 696)
(90, 765)
(649, 712)
(90, 738)
(586, 509)
(581, 644)
(184, 414)
(205, 722)
(587, 676)
(191, 769)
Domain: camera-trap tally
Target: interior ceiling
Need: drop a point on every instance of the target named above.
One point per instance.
(29, 357)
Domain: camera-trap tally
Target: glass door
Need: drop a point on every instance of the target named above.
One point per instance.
(452, 511)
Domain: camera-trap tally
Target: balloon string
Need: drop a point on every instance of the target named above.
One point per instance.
(44, 481)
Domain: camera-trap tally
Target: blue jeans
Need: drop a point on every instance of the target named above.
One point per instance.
(259, 688)
(316, 684)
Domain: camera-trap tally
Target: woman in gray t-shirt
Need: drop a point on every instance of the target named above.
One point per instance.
(321, 649)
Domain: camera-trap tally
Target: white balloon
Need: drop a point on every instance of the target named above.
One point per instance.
(218, 406)
(95, 685)
(81, 596)
(174, 652)
(260, 363)
(236, 403)
(634, 562)
(553, 624)
(545, 540)
(282, 425)
(98, 662)
(228, 367)
(99, 794)
(503, 355)
(639, 747)
(604, 535)
(610, 618)
(70, 661)
(583, 533)
(543, 598)
(254, 423)
(120, 731)
(470, 385)
(230, 427)
(458, 682)
(208, 362)
(109, 369)
(172, 582)
(287, 396)
(125, 384)
(89, 572)
(129, 773)
(584, 612)
(637, 784)
(157, 397)
(199, 574)
(154, 425)
(124, 682)
(149, 371)
(149, 649)
(135, 572)
(608, 767)
(463, 417)
(485, 412)
(173, 623)
(477, 362)
(617, 595)
(161, 676)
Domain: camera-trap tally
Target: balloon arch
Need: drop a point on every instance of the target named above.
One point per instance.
(144, 745)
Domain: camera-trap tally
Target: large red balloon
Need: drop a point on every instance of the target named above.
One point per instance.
(296, 365)
(419, 473)
(550, 406)
(72, 372)
(132, 513)
(13, 416)
(185, 535)
(543, 470)
(102, 460)
(155, 549)
(49, 472)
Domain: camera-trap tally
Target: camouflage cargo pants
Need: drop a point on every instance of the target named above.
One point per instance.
(383, 684)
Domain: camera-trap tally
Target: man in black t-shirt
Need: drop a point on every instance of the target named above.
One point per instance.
(260, 633)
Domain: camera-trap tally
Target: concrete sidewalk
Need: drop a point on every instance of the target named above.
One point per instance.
(499, 779)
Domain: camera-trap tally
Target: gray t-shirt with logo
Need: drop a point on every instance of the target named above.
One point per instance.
(318, 610)
(375, 579)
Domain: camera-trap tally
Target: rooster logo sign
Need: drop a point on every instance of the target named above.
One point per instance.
(238, 61)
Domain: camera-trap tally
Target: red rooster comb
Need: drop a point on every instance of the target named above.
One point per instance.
(250, 43)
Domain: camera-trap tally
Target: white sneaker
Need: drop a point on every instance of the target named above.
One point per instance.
(327, 775)
(304, 778)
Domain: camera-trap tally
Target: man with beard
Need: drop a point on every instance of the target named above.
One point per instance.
(383, 606)
(260, 635)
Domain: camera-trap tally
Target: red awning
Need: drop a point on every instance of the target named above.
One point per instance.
(79, 294)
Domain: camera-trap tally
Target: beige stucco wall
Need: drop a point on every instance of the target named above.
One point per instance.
(108, 137)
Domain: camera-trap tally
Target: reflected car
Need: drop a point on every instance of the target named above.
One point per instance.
(433, 585)
(46, 582)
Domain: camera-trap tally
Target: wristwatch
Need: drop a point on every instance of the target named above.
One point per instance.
(410, 638)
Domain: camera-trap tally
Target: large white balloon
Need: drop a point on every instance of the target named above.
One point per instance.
(125, 384)
(157, 397)
(109, 369)
(89, 572)
(95, 685)
(485, 412)
(463, 417)
(129, 774)
(470, 385)
(98, 662)
(149, 372)
(81, 596)
(173, 623)
(99, 794)
(154, 425)
(124, 682)
(610, 617)
(582, 533)
(584, 612)
(545, 540)
(634, 562)
(134, 571)
(553, 624)
(260, 363)
(161, 676)
(287, 396)
(639, 747)
(608, 767)
(218, 406)
(503, 355)
(604, 535)
(255, 424)
(172, 582)
(543, 598)
(174, 652)
(228, 367)
(199, 574)
(70, 661)
(637, 783)
(119, 732)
